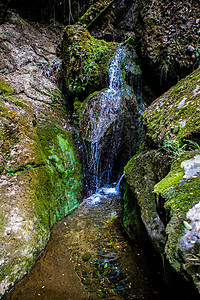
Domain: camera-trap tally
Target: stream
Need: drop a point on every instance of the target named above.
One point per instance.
(88, 257)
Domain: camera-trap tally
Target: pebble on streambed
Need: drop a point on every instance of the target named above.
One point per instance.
(86, 256)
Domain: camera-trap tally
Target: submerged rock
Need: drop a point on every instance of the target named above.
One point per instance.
(163, 179)
(86, 256)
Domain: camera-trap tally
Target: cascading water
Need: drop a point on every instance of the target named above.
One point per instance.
(105, 111)
(103, 124)
(90, 240)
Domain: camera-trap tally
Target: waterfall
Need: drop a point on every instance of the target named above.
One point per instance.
(103, 112)
(103, 123)
(115, 72)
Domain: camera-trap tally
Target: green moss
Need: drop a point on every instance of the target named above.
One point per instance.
(132, 216)
(86, 61)
(175, 175)
(179, 202)
(77, 112)
(2, 220)
(5, 88)
(42, 175)
(64, 170)
(184, 196)
(178, 199)
(171, 180)
(144, 165)
(176, 113)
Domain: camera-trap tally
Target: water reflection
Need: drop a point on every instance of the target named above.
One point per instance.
(91, 242)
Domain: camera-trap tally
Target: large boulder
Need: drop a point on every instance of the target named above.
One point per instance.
(85, 62)
(174, 116)
(168, 35)
(141, 173)
(162, 180)
(109, 118)
(105, 129)
(40, 173)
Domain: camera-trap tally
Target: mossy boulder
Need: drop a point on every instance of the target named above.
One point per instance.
(141, 174)
(40, 183)
(85, 62)
(40, 172)
(175, 114)
(180, 191)
(163, 178)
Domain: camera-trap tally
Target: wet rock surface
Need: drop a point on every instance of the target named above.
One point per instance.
(37, 152)
(115, 270)
(107, 120)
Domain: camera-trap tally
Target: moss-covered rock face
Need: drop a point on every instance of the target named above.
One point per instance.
(40, 183)
(175, 115)
(40, 173)
(164, 182)
(141, 174)
(180, 190)
(168, 35)
(85, 62)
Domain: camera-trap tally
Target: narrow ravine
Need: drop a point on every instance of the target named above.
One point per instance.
(88, 256)
(91, 241)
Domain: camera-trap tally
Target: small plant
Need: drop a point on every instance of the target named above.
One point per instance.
(193, 145)
(173, 146)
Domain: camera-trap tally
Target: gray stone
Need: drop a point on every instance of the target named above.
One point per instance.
(191, 167)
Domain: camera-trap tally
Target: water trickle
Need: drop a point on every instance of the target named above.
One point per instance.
(115, 71)
(104, 112)
(102, 124)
